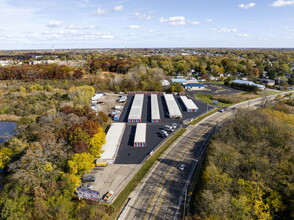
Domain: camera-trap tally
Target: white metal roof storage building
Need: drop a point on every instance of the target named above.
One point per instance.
(113, 139)
(155, 115)
(189, 104)
(136, 110)
(140, 136)
(173, 108)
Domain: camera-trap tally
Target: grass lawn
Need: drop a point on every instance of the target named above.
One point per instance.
(231, 99)
(202, 117)
(123, 196)
(216, 82)
(268, 92)
(209, 99)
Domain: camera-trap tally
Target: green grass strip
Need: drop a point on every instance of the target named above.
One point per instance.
(203, 116)
(209, 99)
(123, 196)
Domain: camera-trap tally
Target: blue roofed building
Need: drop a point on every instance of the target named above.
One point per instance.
(194, 86)
(238, 81)
(178, 80)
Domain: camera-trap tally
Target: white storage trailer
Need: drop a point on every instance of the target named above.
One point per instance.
(113, 139)
(155, 115)
(173, 108)
(136, 109)
(140, 135)
(189, 104)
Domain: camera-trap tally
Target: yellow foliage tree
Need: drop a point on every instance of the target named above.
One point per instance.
(81, 95)
(97, 142)
(81, 163)
(5, 156)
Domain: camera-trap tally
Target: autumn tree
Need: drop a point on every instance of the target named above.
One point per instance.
(81, 95)
(81, 163)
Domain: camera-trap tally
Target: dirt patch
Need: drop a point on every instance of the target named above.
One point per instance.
(108, 102)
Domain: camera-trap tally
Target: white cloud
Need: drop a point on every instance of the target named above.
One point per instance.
(178, 37)
(144, 16)
(55, 24)
(224, 30)
(74, 35)
(178, 21)
(107, 36)
(151, 31)
(250, 5)
(208, 20)
(195, 22)
(282, 3)
(100, 12)
(243, 35)
(175, 20)
(133, 26)
(80, 27)
(118, 8)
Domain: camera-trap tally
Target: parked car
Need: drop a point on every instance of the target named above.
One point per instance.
(222, 110)
(174, 125)
(89, 179)
(86, 186)
(182, 167)
(168, 128)
(163, 133)
(122, 99)
(107, 196)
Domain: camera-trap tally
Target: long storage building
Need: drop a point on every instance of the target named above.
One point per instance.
(136, 109)
(155, 115)
(189, 104)
(113, 140)
(173, 108)
(140, 135)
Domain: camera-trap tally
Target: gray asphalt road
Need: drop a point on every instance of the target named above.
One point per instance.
(160, 194)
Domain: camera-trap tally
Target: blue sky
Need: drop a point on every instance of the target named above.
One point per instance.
(38, 24)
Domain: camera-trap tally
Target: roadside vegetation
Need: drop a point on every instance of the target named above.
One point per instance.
(248, 172)
(46, 160)
(59, 136)
(123, 196)
(226, 100)
(197, 120)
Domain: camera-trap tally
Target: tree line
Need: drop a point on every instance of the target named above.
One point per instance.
(46, 160)
(40, 71)
(248, 171)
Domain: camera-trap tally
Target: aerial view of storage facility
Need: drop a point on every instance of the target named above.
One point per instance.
(189, 104)
(155, 115)
(113, 139)
(140, 136)
(173, 108)
(136, 109)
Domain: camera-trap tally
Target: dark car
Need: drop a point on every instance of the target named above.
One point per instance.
(89, 179)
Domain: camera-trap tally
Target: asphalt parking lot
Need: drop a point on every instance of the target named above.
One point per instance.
(146, 112)
(128, 154)
(215, 89)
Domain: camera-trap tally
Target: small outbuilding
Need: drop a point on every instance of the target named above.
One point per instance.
(172, 106)
(140, 136)
(178, 80)
(136, 109)
(155, 114)
(189, 104)
(194, 86)
(113, 140)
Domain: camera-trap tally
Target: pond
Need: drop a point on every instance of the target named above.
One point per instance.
(7, 130)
